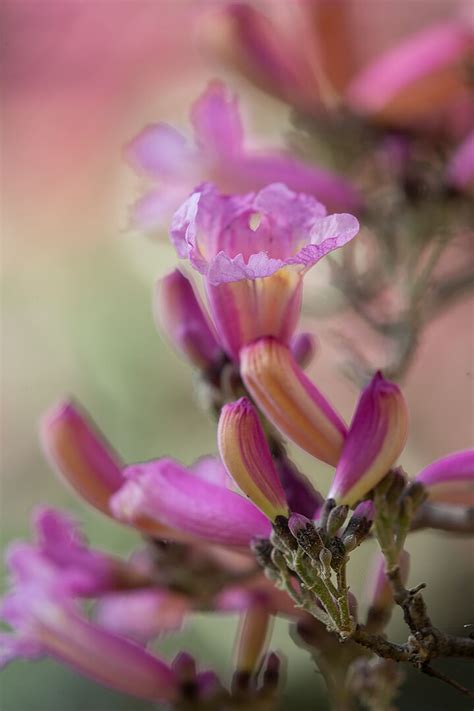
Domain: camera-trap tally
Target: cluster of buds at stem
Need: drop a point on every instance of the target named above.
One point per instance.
(308, 559)
(396, 501)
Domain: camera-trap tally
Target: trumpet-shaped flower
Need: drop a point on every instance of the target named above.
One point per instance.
(83, 458)
(374, 442)
(184, 322)
(163, 154)
(450, 479)
(290, 400)
(168, 493)
(46, 621)
(247, 457)
(253, 251)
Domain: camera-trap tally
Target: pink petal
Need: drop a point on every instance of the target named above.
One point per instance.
(81, 455)
(167, 492)
(216, 120)
(143, 615)
(181, 317)
(374, 442)
(160, 151)
(451, 478)
(247, 457)
(414, 59)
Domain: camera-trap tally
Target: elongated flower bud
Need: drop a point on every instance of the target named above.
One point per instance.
(290, 400)
(379, 593)
(450, 480)
(375, 440)
(303, 346)
(183, 321)
(81, 455)
(247, 457)
(252, 640)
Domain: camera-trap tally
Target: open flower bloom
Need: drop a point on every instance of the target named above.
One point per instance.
(308, 55)
(61, 548)
(184, 322)
(247, 457)
(253, 251)
(195, 501)
(47, 621)
(450, 479)
(375, 440)
(163, 154)
(290, 400)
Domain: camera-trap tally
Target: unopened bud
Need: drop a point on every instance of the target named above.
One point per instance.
(306, 534)
(303, 348)
(396, 488)
(184, 322)
(326, 509)
(325, 556)
(374, 442)
(281, 529)
(350, 542)
(338, 552)
(271, 674)
(336, 519)
(417, 492)
(359, 524)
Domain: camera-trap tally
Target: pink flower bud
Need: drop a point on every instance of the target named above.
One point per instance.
(290, 400)
(303, 346)
(81, 454)
(374, 442)
(247, 457)
(183, 321)
(450, 480)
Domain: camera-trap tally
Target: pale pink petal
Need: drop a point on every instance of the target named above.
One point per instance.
(167, 492)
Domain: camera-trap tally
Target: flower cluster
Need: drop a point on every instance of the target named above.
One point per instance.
(243, 531)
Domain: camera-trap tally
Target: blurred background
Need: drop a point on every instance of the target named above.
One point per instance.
(79, 80)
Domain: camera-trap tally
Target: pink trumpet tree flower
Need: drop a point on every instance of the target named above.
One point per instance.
(219, 155)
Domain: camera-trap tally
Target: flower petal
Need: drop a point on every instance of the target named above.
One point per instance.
(160, 151)
(184, 322)
(168, 493)
(374, 442)
(407, 81)
(290, 400)
(451, 478)
(216, 120)
(247, 457)
(81, 455)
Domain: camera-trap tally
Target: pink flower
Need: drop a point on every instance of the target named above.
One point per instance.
(61, 550)
(253, 251)
(450, 479)
(291, 401)
(47, 622)
(162, 154)
(374, 442)
(309, 55)
(417, 78)
(143, 614)
(247, 457)
(184, 322)
(85, 461)
(190, 500)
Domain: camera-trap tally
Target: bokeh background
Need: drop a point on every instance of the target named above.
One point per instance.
(79, 79)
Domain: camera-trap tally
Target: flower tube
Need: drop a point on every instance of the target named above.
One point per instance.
(450, 479)
(290, 400)
(253, 251)
(374, 442)
(247, 457)
(47, 623)
(183, 321)
(79, 452)
(168, 493)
